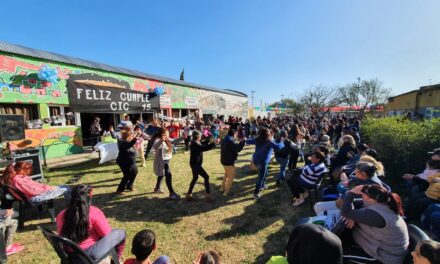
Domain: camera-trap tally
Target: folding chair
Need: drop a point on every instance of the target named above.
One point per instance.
(70, 253)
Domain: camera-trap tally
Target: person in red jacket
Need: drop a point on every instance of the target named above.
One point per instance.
(173, 131)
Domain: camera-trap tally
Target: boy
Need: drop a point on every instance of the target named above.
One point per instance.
(144, 242)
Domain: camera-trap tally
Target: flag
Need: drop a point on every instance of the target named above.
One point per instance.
(182, 75)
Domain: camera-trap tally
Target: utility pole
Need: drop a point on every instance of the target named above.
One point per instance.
(252, 97)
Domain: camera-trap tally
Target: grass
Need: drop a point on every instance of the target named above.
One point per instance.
(241, 229)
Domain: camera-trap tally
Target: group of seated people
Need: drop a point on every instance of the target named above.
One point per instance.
(366, 217)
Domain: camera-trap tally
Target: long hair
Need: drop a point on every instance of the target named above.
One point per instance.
(347, 139)
(21, 167)
(76, 217)
(383, 196)
(263, 136)
(379, 166)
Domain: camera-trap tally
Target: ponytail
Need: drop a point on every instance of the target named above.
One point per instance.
(383, 196)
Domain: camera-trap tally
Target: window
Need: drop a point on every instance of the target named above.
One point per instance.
(70, 117)
(56, 116)
(29, 111)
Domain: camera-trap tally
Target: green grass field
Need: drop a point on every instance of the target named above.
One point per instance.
(241, 229)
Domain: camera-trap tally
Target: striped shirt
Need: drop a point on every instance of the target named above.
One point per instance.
(313, 173)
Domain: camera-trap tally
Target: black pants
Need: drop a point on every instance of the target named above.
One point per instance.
(187, 140)
(353, 253)
(294, 183)
(293, 160)
(129, 172)
(196, 171)
(168, 177)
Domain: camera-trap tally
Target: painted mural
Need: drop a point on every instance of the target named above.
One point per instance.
(19, 83)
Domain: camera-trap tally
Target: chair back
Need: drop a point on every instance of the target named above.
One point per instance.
(415, 236)
(17, 194)
(74, 254)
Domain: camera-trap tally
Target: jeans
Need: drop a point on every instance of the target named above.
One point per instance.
(297, 185)
(283, 165)
(168, 177)
(115, 239)
(416, 205)
(262, 173)
(431, 220)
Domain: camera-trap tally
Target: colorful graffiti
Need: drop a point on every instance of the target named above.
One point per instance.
(56, 141)
(19, 83)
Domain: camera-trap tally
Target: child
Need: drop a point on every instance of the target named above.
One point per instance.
(9, 226)
(163, 154)
(139, 145)
(144, 242)
(208, 257)
(419, 183)
(187, 133)
(196, 161)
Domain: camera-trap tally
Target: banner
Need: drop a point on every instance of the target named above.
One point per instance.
(88, 98)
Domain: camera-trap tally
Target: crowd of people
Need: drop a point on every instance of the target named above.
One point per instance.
(368, 221)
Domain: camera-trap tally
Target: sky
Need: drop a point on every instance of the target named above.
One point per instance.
(278, 47)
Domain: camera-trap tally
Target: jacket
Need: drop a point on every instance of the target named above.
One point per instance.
(229, 151)
(196, 151)
(263, 152)
(433, 191)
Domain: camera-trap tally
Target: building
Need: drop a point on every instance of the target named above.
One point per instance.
(425, 101)
(51, 121)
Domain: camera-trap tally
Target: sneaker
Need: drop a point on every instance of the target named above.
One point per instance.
(257, 195)
(120, 193)
(130, 189)
(298, 201)
(14, 248)
(159, 191)
(305, 194)
(265, 187)
(189, 197)
(174, 196)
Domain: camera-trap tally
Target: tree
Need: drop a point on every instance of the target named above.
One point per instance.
(319, 99)
(290, 104)
(365, 94)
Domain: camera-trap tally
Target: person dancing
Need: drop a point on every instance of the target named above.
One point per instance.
(228, 156)
(195, 161)
(163, 154)
(264, 146)
(127, 160)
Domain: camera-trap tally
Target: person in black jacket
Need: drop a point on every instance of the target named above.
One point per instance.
(228, 155)
(196, 160)
(127, 160)
(282, 155)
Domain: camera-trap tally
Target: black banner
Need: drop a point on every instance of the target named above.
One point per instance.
(88, 98)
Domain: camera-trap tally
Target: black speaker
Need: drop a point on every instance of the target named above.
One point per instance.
(11, 127)
(32, 156)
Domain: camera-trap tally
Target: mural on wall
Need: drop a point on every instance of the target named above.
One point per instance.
(56, 141)
(20, 83)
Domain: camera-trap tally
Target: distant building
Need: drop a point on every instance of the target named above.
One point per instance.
(425, 102)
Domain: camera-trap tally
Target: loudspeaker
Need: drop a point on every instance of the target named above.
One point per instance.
(32, 156)
(11, 127)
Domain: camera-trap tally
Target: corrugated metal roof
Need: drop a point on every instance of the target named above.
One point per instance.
(54, 57)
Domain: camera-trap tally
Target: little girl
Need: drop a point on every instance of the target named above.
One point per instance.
(139, 145)
(187, 133)
(163, 154)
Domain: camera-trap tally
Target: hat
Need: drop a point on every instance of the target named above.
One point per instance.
(435, 152)
(325, 138)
